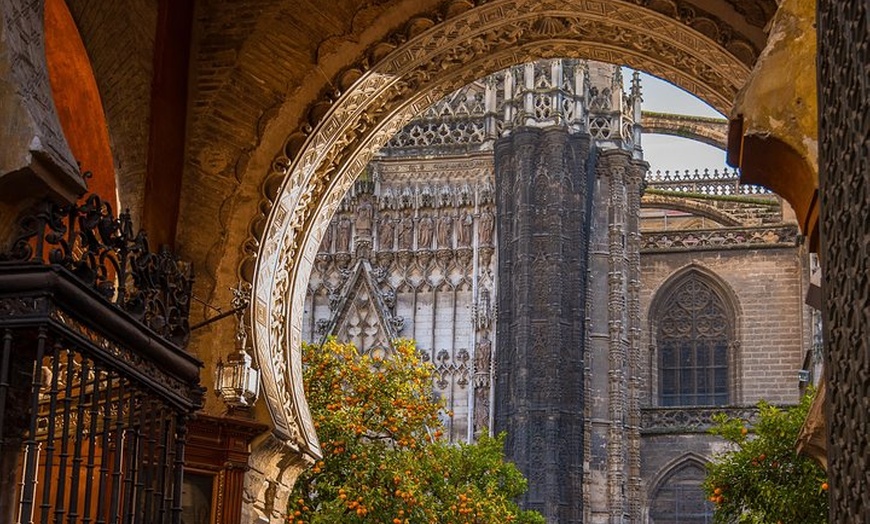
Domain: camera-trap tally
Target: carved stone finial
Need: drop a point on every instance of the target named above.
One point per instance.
(636, 91)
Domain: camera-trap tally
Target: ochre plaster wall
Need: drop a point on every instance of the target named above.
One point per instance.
(774, 130)
(77, 100)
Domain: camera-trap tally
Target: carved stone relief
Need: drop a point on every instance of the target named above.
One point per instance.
(425, 227)
(540, 344)
(445, 232)
(422, 292)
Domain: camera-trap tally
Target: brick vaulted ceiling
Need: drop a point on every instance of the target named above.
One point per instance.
(258, 68)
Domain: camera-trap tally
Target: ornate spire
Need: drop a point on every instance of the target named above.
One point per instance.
(542, 94)
(636, 93)
(636, 98)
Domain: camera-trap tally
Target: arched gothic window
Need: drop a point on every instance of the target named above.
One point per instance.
(693, 339)
(680, 498)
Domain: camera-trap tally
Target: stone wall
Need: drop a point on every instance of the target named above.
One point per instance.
(773, 332)
(773, 324)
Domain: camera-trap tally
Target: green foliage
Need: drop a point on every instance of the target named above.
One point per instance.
(384, 461)
(762, 479)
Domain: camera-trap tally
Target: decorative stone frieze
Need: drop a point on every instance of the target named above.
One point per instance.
(720, 239)
(688, 420)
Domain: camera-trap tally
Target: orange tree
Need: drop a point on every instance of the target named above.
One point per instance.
(762, 479)
(384, 460)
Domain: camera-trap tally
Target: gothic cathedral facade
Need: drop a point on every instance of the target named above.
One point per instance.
(597, 312)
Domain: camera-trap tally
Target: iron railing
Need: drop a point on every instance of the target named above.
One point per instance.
(95, 388)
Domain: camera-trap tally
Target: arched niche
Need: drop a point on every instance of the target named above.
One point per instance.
(315, 169)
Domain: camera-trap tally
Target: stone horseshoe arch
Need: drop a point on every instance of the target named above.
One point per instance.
(315, 173)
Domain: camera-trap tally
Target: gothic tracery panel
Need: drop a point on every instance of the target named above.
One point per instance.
(410, 255)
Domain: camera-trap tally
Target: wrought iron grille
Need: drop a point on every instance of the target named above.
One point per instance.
(95, 390)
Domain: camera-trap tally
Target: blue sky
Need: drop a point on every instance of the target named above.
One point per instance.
(673, 153)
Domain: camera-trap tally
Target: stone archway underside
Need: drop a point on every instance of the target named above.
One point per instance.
(439, 59)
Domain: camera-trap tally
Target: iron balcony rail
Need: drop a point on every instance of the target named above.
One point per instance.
(95, 388)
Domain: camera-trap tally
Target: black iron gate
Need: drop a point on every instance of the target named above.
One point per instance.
(95, 390)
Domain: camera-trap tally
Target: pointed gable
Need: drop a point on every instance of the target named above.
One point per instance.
(362, 315)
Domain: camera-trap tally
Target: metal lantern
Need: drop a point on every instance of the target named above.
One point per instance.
(237, 382)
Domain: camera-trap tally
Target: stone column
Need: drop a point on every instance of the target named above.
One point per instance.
(35, 159)
(634, 188)
(274, 467)
(543, 206)
(613, 312)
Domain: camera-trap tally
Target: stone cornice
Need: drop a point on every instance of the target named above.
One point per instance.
(726, 238)
(683, 420)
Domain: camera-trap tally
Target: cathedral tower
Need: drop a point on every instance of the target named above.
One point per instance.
(568, 191)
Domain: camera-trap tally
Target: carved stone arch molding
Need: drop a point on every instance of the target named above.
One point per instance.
(309, 178)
